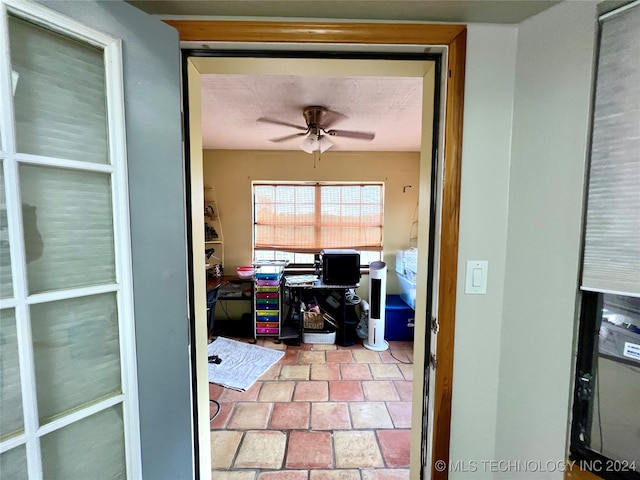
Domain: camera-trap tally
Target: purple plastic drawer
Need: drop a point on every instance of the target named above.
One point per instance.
(267, 331)
(267, 283)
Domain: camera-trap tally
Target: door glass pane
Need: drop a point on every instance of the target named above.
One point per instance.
(11, 420)
(13, 464)
(59, 101)
(68, 228)
(6, 286)
(76, 353)
(90, 448)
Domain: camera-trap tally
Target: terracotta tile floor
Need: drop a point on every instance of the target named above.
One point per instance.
(323, 412)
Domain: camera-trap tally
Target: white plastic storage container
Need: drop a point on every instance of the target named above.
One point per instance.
(407, 291)
(407, 263)
(323, 337)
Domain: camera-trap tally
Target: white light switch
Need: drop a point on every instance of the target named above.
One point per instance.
(476, 279)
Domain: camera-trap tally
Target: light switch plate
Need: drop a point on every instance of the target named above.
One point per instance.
(476, 279)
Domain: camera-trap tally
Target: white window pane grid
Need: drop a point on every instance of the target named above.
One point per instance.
(13, 463)
(6, 278)
(303, 218)
(59, 101)
(366, 256)
(11, 417)
(68, 228)
(93, 158)
(100, 440)
(76, 353)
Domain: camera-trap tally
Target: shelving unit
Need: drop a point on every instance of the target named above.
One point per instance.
(213, 239)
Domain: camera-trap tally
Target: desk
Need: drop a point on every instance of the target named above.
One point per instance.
(331, 299)
(227, 288)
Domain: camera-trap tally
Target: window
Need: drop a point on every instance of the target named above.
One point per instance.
(606, 410)
(296, 221)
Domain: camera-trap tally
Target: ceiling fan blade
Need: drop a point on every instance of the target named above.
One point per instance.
(331, 117)
(279, 122)
(351, 134)
(287, 137)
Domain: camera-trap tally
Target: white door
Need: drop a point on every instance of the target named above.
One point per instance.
(68, 376)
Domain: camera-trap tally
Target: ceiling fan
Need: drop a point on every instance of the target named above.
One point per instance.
(318, 120)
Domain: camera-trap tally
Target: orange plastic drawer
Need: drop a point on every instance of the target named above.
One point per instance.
(267, 325)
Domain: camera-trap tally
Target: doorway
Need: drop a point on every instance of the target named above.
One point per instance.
(229, 174)
(453, 38)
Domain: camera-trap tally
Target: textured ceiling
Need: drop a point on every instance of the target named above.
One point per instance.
(390, 107)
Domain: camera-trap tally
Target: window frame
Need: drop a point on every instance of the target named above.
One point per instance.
(316, 254)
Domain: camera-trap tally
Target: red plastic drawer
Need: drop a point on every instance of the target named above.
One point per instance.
(267, 295)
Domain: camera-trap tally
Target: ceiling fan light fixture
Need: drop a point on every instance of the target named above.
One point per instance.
(314, 142)
(317, 131)
(324, 144)
(309, 144)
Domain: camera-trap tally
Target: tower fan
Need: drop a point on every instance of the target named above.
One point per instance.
(377, 305)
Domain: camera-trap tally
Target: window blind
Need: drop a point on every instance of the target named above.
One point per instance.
(612, 239)
(309, 218)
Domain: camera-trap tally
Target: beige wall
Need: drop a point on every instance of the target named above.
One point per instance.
(231, 172)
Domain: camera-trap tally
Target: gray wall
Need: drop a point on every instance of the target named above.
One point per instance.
(156, 190)
(527, 98)
(489, 89)
(546, 183)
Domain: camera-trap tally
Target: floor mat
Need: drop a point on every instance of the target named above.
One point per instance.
(241, 364)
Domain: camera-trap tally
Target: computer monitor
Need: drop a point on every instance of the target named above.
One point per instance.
(340, 267)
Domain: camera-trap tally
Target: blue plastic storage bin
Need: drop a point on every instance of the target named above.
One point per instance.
(399, 319)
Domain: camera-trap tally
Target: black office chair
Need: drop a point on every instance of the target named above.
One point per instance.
(212, 297)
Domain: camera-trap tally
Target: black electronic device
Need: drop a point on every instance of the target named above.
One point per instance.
(340, 267)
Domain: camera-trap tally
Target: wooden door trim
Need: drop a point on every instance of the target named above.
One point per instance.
(449, 231)
(315, 32)
(454, 38)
